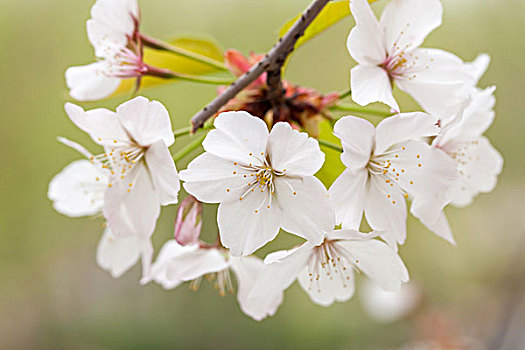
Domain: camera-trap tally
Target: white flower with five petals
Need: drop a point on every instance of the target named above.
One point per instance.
(388, 51)
(326, 272)
(263, 181)
(113, 32)
(387, 164)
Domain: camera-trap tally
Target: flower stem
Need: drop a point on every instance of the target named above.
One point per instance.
(359, 109)
(187, 130)
(345, 94)
(330, 145)
(184, 151)
(163, 46)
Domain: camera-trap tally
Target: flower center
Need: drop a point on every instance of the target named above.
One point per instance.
(222, 284)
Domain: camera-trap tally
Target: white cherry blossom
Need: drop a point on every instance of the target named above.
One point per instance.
(388, 51)
(177, 263)
(142, 172)
(386, 165)
(326, 272)
(263, 181)
(478, 162)
(113, 32)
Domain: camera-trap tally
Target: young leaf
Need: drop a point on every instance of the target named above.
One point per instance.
(332, 167)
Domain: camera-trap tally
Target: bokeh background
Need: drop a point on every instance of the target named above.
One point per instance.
(53, 295)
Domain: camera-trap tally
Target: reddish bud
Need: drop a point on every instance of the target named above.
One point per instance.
(189, 221)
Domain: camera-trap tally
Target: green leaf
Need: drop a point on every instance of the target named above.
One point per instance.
(330, 15)
(176, 63)
(333, 166)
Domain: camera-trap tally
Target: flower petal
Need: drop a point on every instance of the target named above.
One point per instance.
(306, 209)
(193, 264)
(87, 83)
(78, 190)
(117, 255)
(248, 224)
(169, 251)
(248, 270)
(294, 151)
(371, 84)
(348, 197)
(406, 23)
(357, 138)
(146, 121)
(441, 228)
(403, 127)
(238, 136)
(379, 262)
(163, 173)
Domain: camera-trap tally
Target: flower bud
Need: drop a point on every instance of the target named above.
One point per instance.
(189, 221)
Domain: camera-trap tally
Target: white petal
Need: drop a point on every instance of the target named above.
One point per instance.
(117, 255)
(352, 235)
(77, 147)
(248, 224)
(407, 22)
(146, 121)
(478, 67)
(88, 83)
(441, 228)
(78, 190)
(169, 251)
(294, 151)
(348, 197)
(365, 42)
(371, 84)
(101, 124)
(208, 178)
(308, 212)
(191, 265)
(385, 210)
(163, 172)
(357, 138)
(379, 262)
(403, 127)
(248, 270)
(133, 212)
(239, 137)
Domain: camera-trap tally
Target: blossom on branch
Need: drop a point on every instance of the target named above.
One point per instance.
(263, 181)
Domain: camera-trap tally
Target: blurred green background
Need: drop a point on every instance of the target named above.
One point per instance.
(52, 293)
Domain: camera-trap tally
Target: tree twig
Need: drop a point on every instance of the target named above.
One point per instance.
(272, 62)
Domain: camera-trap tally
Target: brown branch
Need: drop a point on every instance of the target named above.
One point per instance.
(272, 63)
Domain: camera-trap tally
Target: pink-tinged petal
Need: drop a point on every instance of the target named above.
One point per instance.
(371, 84)
(167, 255)
(212, 179)
(441, 228)
(117, 255)
(294, 152)
(146, 121)
(248, 270)
(78, 190)
(306, 209)
(191, 265)
(403, 127)
(161, 168)
(357, 138)
(134, 212)
(189, 221)
(406, 23)
(89, 83)
(379, 262)
(479, 165)
(365, 42)
(348, 197)
(239, 137)
(101, 124)
(247, 224)
(385, 210)
(327, 289)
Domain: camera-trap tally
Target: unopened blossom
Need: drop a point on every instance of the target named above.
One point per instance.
(142, 172)
(326, 272)
(113, 30)
(302, 106)
(478, 162)
(386, 165)
(387, 51)
(189, 221)
(177, 263)
(263, 182)
(78, 190)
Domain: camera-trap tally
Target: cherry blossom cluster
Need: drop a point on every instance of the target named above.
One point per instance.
(261, 170)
